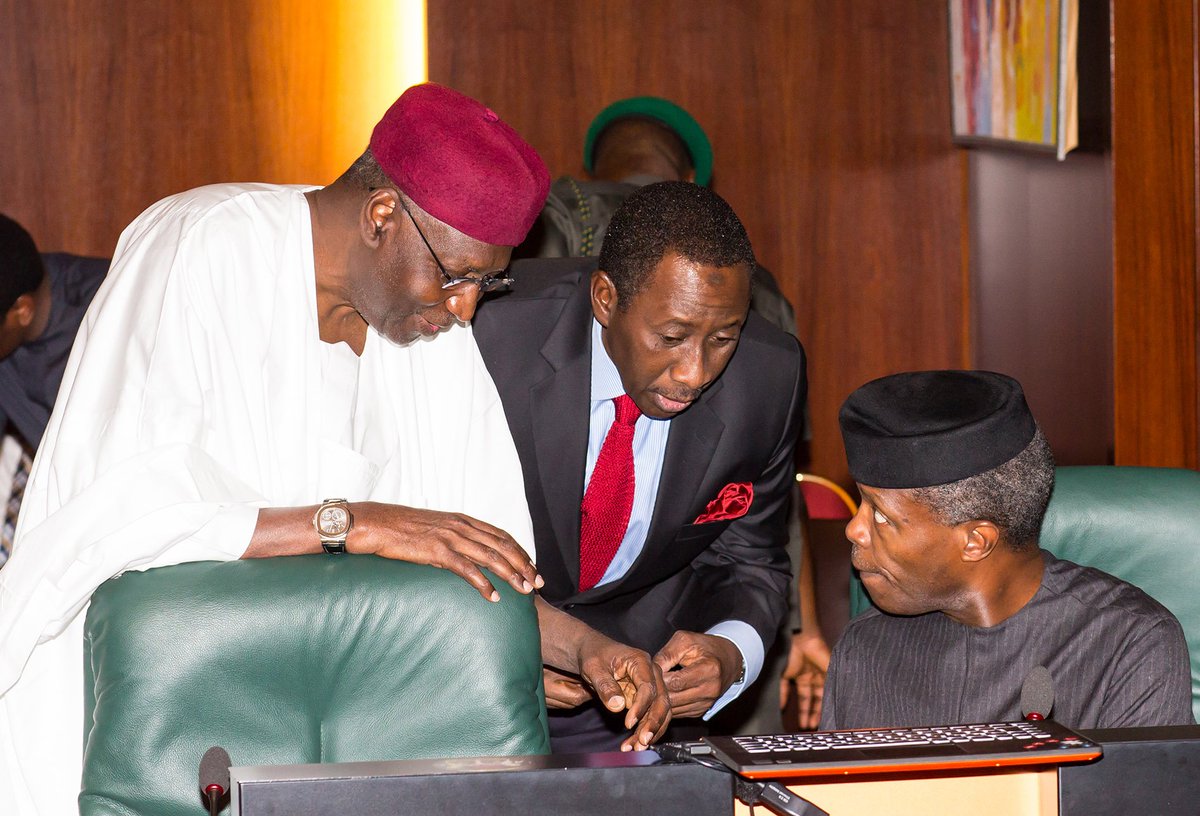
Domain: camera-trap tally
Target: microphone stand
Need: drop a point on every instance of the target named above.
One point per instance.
(213, 794)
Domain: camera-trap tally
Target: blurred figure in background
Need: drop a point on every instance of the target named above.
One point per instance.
(43, 298)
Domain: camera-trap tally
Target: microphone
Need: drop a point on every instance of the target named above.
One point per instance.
(214, 778)
(1037, 694)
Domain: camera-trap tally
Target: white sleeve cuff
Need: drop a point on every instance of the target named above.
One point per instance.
(744, 636)
(225, 536)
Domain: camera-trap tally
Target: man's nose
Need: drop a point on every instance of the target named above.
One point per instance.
(462, 304)
(690, 370)
(856, 528)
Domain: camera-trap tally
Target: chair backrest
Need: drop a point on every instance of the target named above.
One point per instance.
(298, 660)
(1140, 524)
(824, 499)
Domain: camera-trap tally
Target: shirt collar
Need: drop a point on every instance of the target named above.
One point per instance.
(606, 380)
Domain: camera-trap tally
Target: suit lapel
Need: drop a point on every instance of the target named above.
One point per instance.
(560, 422)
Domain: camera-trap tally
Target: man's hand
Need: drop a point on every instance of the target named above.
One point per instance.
(564, 690)
(623, 677)
(808, 663)
(698, 669)
(451, 541)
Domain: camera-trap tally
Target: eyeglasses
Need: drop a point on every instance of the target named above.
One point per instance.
(486, 283)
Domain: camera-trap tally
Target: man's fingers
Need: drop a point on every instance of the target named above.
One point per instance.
(649, 707)
(669, 655)
(810, 688)
(693, 676)
(693, 689)
(644, 695)
(816, 701)
(608, 690)
(649, 727)
(810, 714)
(482, 543)
(506, 548)
(666, 720)
(642, 684)
(446, 540)
(468, 571)
(497, 563)
(485, 555)
(809, 697)
(626, 678)
(691, 702)
(652, 726)
(803, 699)
(814, 719)
(563, 691)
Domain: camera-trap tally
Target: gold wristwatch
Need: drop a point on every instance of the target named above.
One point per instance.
(332, 522)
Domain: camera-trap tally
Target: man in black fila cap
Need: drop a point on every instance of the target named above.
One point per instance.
(955, 477)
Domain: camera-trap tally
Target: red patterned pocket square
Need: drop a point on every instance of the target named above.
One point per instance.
(732, 502)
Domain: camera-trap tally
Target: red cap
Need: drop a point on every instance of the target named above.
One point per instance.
(461, 164)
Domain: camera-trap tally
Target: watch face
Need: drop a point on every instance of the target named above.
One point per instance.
(333, 521)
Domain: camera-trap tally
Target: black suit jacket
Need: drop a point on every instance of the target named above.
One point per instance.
(536, 342)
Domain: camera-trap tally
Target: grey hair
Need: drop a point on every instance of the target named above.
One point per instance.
(367, 174)
(1013, 496)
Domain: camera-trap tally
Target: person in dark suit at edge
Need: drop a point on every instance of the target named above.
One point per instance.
(655, 422)
(43, 298)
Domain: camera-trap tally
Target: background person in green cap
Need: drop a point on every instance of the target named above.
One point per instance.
(631, 143)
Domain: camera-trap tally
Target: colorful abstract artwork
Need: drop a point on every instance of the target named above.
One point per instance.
(1013, 72)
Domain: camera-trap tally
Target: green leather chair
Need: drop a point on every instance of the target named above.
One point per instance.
(1140, 524)
(298, 660)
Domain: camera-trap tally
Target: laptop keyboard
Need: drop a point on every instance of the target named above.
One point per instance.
(880, 749)
(892, 737)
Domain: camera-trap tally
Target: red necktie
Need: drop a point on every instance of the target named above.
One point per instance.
(609, 497)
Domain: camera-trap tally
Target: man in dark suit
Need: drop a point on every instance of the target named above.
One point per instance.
(43, 298)
(669, 537)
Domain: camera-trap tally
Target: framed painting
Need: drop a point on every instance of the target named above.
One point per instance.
(1013, 73)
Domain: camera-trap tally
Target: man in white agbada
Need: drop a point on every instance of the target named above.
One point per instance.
(257, 349)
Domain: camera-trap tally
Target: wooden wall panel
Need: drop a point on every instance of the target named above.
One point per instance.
(829, 121)
(1041, 241)
(1155, 232)
(109, 105)
(830, 126)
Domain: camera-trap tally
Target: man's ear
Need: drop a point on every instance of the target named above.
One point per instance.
(23, 311)
(981, 539)
(604, 297)
(378, 215)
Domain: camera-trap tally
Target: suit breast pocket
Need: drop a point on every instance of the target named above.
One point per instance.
(699, 536)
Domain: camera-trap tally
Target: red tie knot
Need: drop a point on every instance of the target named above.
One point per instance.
(627, 410)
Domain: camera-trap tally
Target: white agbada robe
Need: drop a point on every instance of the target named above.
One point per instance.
(198, 391)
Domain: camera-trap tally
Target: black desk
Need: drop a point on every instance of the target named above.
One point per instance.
(1144, 772)
(1152, 771)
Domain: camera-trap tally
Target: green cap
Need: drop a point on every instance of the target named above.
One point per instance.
(661, 110)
